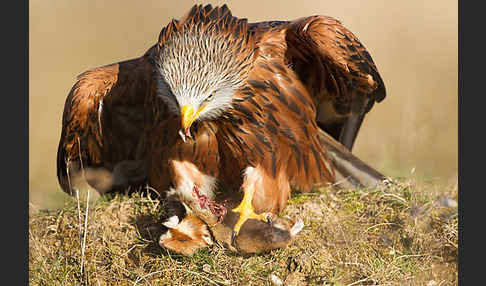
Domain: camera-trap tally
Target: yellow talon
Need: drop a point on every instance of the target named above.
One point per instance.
(245, 208)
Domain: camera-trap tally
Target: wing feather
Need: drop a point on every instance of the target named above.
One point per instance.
(102, 120)
(337, 70)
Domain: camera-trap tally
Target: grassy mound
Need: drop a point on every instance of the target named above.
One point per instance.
(398, 234)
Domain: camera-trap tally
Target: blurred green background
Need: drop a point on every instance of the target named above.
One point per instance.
(413, 43)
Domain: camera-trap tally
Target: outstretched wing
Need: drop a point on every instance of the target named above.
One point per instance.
(102, 124)
(338, 72)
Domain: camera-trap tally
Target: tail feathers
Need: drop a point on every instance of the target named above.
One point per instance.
(350, 171)
(350, 130)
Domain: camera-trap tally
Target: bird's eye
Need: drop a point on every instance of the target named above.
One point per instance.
(210, 97)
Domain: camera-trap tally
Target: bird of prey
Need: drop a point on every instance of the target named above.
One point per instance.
(218, 104)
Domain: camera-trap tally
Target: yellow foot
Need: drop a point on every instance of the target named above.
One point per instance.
(246, 212)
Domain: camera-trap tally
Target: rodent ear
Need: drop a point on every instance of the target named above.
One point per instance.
(172, 222)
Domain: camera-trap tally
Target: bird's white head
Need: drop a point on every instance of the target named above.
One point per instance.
(204, 58)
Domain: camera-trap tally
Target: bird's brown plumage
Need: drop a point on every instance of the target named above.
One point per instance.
(295, 77)
(102, 122)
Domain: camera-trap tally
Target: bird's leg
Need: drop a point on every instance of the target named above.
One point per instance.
(245, 208)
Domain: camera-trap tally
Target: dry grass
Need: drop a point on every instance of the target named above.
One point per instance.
(399, 234)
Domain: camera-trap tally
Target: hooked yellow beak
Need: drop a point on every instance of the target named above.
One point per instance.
(188, 117)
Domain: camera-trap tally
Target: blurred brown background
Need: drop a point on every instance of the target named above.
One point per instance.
(413, 43)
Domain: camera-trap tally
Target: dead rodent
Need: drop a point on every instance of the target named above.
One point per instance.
(191, 234)
(187, 236)
(190, 231)
(257, 236)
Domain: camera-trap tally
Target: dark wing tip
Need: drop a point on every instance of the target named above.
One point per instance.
(380, 92)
